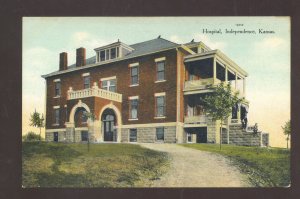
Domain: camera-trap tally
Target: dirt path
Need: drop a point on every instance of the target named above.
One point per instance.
(195, 168)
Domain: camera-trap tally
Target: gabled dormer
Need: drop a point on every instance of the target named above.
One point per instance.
(112, 51)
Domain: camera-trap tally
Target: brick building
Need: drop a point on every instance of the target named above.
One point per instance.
(145, 92)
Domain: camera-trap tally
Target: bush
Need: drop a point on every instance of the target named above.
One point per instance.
(31, 137)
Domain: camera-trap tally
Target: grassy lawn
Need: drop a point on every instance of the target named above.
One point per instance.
(104, 165)
(264, 167)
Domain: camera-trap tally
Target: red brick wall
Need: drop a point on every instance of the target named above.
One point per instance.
(146, 89)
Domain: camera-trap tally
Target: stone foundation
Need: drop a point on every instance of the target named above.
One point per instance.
(148, 134)
(238, 136)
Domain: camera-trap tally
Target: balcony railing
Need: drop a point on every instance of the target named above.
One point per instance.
(195, 119)
(94, 92)
(200, 84)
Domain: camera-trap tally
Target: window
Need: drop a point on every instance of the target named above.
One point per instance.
(56, 116)
(57, 88)
(102, 55)
(133, 108)
(118, 54)
(160, 66)
(109, 85)
(113, 53)
(108, 54)
(55, 136)
(86, 82)
(160, 106)
(134, 72)
(132, 135)
(160, 134)
(84, 136)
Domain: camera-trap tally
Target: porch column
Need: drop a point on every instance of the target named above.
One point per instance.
(214, 70)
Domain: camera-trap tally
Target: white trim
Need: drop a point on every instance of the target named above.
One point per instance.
(56, 107)
(108, 78)
(55, 124)
(149, 125)
(158, 81)
(58, 96)
(73, 110)
(134, 64)
(81, 129)
(160, 59)
(160, 94)
(133, 119)
(54, 130)
(56, 80)
(194, 125)
(160, 117)
(133, 85)
(133, 97)
(85, 74)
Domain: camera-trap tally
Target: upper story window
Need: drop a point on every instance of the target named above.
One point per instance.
(87, 81)
(108, 54)
(133, 107)
(57, 87)
(160, 104)
(109, 84)
(134, 74)
(160, 69)
(102, 55)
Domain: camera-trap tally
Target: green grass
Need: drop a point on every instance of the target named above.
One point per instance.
(265, 167)
(104, 165)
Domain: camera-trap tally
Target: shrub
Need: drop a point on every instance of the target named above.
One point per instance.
(31, 137)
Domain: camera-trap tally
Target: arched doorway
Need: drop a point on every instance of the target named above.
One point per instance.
(109, 122)
(80, 118)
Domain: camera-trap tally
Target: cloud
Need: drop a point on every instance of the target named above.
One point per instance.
(270, 43)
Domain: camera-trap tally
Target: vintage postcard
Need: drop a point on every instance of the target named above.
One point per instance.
(156, 102)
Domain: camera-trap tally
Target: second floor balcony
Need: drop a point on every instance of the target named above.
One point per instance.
(195, 119)
(94, 92)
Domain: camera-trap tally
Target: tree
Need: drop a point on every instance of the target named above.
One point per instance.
(287, 131)
(219, 104)
(37, 120)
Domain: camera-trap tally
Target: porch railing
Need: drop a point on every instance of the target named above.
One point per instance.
(94, 92)
(200, 84)
(198, 119)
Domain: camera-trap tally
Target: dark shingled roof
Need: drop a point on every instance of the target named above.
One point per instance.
(142, 48)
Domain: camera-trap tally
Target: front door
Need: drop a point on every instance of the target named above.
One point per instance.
(108, 130)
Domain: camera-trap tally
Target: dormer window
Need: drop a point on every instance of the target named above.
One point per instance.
(112, 51)
(102, 55)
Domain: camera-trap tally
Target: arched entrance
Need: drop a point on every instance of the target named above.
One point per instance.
(109, 122)
(80, 118)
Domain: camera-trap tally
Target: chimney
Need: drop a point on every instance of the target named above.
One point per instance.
(63, 61)
(80, 57)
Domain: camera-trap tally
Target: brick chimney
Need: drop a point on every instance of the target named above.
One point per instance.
(80, 57)
(63, 61)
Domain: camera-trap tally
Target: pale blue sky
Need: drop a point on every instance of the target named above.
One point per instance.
(266, 57)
